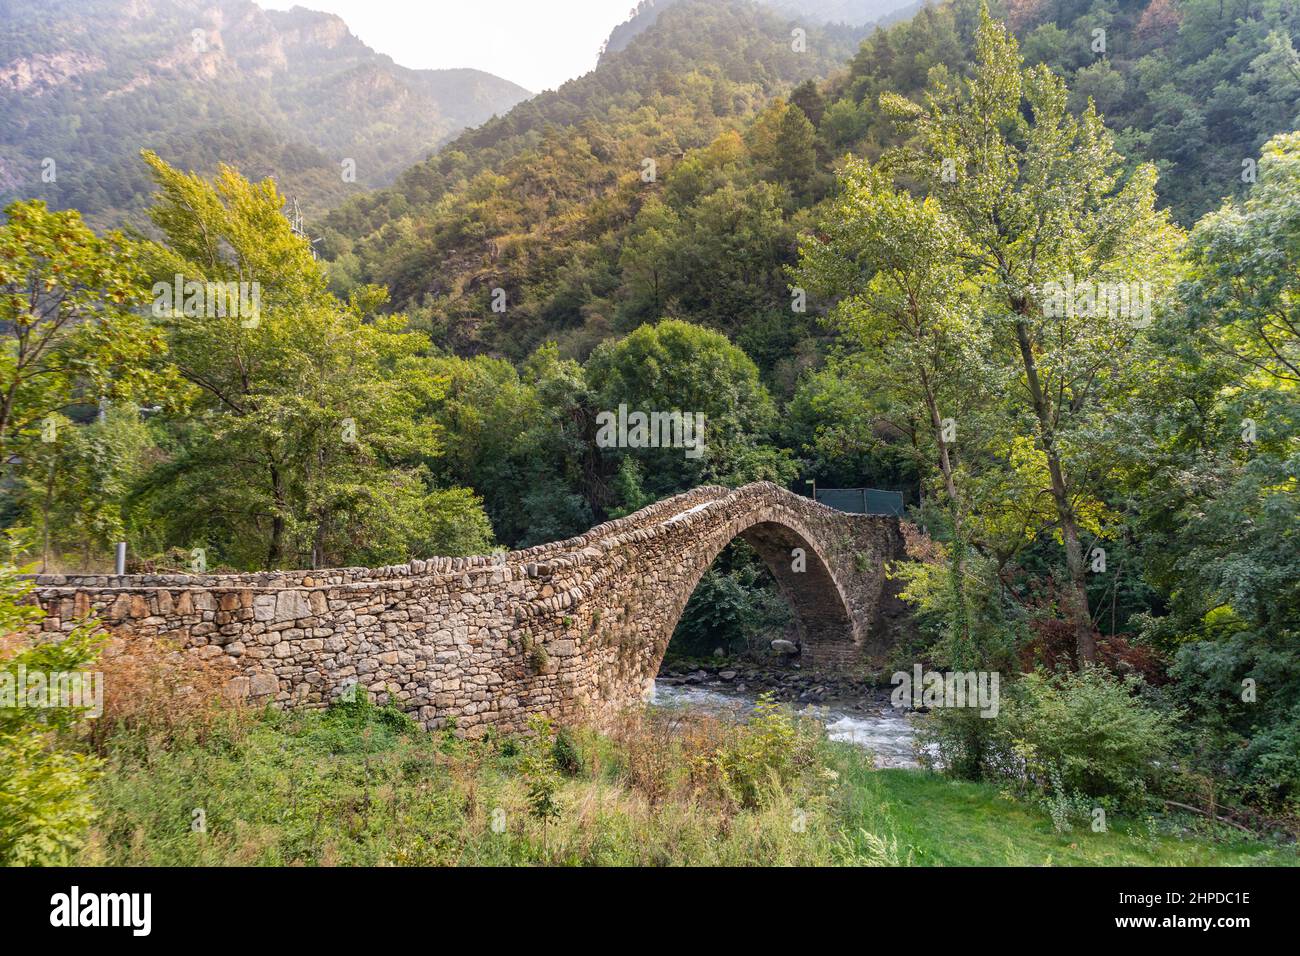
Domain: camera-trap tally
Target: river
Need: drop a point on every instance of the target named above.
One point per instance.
(887, 733)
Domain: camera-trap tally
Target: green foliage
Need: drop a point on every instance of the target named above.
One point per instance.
(1059, 735)
(768, 752)
(735, 606)
(356, 713)
(674, 365)
(566, 753)
(74, 489)
(335, 431)
(1193, 87)
(538, 766)
(45, 804)
(983, 369)
(303, 445)
(961, 611)
(535, 653)
(68, 334)
(627, 488)
(1090, 728)
(518, 440)
(1218, 509)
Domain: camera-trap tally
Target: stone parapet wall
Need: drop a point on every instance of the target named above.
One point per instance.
(574, 630)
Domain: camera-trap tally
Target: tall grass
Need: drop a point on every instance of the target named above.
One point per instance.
(362, 785)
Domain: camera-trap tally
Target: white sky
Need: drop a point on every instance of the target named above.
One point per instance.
(536, 43)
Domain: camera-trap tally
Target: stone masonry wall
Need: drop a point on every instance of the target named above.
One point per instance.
(575, 630)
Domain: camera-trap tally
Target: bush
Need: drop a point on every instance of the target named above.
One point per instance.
(1089, 730)
(768, 752)
(566, 753)
(45, 799)
(961, 743)
(1067, 735)
(1246, 749)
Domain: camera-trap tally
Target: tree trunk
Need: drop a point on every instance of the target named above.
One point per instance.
(46, 505)
(1076, 595)
(275, 550)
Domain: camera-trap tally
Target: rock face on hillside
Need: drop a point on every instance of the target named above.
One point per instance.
(291, 94)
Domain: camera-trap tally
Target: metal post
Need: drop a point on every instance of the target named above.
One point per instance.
(120, 563)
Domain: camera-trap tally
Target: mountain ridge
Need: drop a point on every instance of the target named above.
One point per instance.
(292, 93)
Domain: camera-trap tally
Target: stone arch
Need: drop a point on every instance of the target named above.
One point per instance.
(823, 618)
(571, 629)
(662, 563)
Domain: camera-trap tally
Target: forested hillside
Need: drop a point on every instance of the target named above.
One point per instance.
(1194, 86)
(548, 204)
(535, 202)
(86, 84)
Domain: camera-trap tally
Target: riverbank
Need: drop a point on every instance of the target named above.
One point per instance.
(785, 678)
(359, 785)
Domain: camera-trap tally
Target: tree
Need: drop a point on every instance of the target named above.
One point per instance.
(784, 145)
(1242, 301)
(809, 99)
(1039, 199)
(74, 489)
(67, 325)
(305, 440)
(46, 805)
(1218, 514)
(906, 310)
(676, 366)
(905, 307)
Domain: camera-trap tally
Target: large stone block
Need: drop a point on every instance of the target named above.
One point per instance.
(292, 606)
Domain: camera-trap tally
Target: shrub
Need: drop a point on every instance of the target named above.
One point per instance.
(355, 720)
(962, 743)
(45, 799)
(770, 749)
(1090, 728)
(538, 770)
(566, 753)
(1066, 736)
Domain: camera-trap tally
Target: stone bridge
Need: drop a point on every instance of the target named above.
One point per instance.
(575, 630)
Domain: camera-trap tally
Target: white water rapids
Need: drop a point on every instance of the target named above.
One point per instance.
(886, 733)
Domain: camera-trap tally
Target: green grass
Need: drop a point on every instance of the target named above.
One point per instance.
(361, 786)
(941, 822)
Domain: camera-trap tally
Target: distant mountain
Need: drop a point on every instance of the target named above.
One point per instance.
(854, 13)
(88, 83)
(453, 226)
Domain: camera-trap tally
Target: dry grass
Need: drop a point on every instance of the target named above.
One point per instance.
(154, 688)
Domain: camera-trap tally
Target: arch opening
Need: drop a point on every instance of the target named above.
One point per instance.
(768, 583)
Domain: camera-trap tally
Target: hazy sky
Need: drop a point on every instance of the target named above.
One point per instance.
(536, 43)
